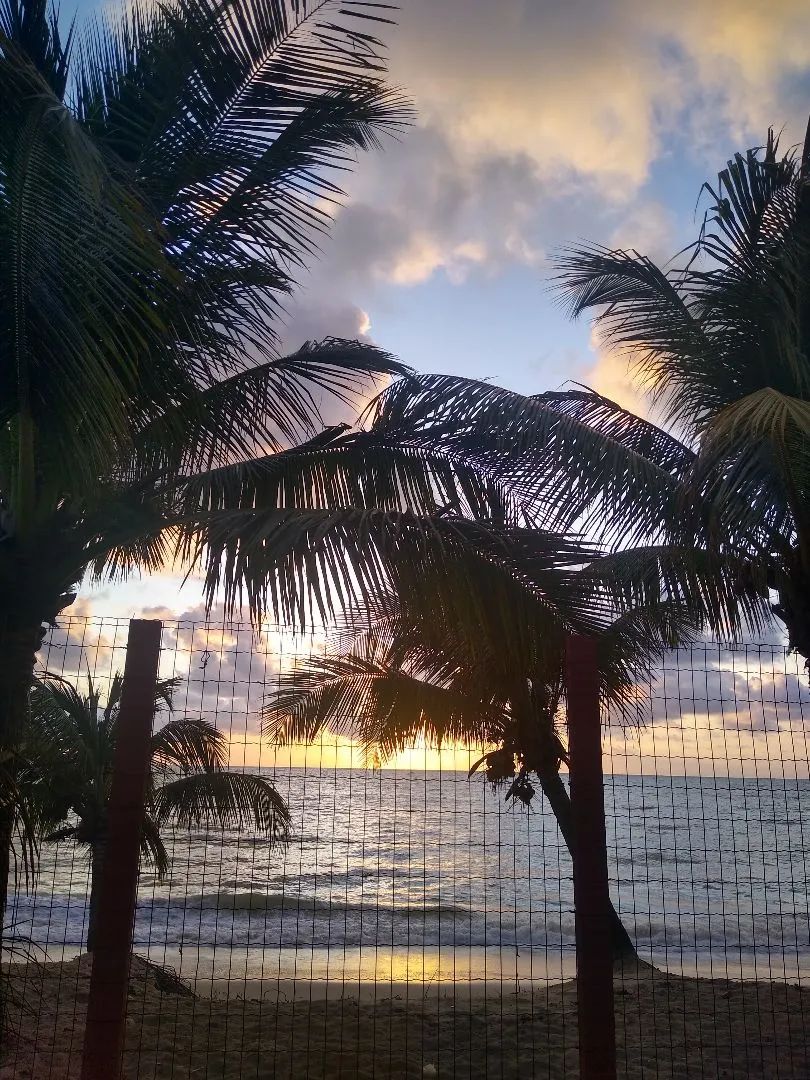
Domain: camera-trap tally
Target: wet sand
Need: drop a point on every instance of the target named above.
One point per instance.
(667, 1027)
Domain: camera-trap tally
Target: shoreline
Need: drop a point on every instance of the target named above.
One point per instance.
(367, 972)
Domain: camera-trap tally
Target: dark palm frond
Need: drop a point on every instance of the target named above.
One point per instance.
(723, 593)
(299, 561)
(188, 744)
(75, 329)
(265, 407)
(230, 799)
(631, 647)
(153, 848)
(32, 29)
(402, 671)
(164, 696)
(570, 456)
(376, 700)
(21, 813)
(722, 342)
(652, 315)
(753, 209)
(60, 718)
(232, 115)
(350, 470)
(58, 836)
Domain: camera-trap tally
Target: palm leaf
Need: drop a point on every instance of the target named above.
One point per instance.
(153, 848)
(297, 562)
(75, 328)
(188, 744)
(232, 113)
(571, 457)
(230, 799)
(267, 406)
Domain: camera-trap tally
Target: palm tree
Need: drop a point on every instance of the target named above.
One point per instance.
(160, 183)
(712, 508)
(161, 180)
(411, 665)
(64, 773)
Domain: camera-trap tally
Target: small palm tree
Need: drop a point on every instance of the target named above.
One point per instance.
(411, 667)
(65, 771)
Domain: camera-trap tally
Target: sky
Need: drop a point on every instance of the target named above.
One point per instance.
(539, 124)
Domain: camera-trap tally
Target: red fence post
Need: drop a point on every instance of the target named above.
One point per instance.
(597, 1022)
(106, 1008)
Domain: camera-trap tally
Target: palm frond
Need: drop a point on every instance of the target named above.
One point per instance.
(296, 562)
(229, 799)
(350, 470)
(723, 593)
(265, 407)
(375, 701)
(74, 328)
(232, 114)
(188, 744)
(655, 317)
(572, 458)
(153, 848)
(20, 812)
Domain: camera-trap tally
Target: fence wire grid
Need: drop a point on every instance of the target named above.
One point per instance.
(416, 923)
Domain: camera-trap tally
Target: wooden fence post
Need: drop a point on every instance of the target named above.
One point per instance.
(107, 1005)
(596, 1017)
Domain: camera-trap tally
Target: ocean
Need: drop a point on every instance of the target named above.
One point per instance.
(399, 876)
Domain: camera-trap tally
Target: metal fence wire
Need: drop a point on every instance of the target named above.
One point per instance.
(417, 923)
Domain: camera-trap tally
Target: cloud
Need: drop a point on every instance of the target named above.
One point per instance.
(310, 319)
(597, 87)
(746, 63)
(539, 124)
(648, 228)
(611, 375)
(567, 85)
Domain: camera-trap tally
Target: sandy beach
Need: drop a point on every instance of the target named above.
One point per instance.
(667, 1027)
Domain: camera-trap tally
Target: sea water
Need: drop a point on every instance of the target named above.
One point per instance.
(432, 876)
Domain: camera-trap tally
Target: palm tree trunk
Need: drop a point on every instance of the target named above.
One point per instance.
(6, 831)
(19, 642)
(97, 852)
(18, 651)
(560, 802)
(793, 608)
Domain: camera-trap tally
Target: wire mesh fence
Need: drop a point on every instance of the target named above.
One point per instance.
(416, 922)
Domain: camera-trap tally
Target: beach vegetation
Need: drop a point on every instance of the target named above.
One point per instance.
(410, 668)
(63, 772)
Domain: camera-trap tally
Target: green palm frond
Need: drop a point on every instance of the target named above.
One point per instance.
(228, 799)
